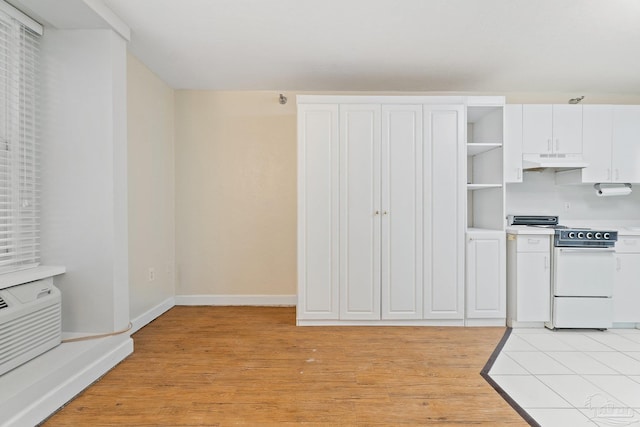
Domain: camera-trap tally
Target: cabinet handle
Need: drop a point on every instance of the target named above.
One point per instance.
(533, 241)
(608, 174)
(376, 213)
(557, 144)
(519, 172)
(546, 262)
(549, 144)
(617, 174)
(385, 213)
(618, 264)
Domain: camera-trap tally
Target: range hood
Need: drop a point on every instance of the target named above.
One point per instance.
(556, 162)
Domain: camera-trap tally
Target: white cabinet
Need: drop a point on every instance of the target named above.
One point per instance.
(528, 280)
(381, 212)
(626, 286)
(597, 142)
(551, 129)
(513, 143)
(360, 211)
(443, 200)
(626, 143)
(486, 277)
(380, 220)
(402, 212)
(318, 213)
(610, 145)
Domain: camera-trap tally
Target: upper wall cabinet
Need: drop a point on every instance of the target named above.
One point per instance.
(625, 158)
(551, 129)
(611, 146)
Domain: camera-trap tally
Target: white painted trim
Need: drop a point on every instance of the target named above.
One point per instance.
(501, 322)
(381, 99)
(34, 411)
(107, 15)
(425, 322)
(25, 20)
(29, 275)
(258, 300)
(515, 324)
(151, 314)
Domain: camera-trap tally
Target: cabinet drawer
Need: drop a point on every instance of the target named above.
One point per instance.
(536, 243)
(628, 244)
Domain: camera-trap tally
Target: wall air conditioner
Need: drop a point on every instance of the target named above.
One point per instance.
(30, 322)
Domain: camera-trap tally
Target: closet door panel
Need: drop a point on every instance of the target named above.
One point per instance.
(401, 212)
(360, 212)
(318, 212)
(444, 214)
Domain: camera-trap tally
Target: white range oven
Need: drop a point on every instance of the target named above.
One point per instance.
(583, 267)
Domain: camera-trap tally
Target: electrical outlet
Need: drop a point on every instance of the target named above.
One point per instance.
(152, 274)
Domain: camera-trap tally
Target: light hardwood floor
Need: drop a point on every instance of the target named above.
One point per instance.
(208, 366)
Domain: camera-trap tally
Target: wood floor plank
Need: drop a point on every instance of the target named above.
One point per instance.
(221, 366)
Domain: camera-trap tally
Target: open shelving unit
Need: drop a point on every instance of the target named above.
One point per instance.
(484, 149)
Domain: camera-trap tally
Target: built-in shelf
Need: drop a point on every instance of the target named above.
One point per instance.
(482, 186)
(477, 148)
(476, 113)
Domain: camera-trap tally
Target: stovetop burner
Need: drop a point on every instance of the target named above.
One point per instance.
(568, 236)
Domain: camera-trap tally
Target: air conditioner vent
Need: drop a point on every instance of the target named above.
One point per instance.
(32, 323)
(3, 304)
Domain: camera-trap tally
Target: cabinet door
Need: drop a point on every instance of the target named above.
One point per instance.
(401, 237)
(513, 143)
(317, 211)
(537, 120)
(626, 143)
(567, 129)
(360, 211)
(533, 276)
(597, 128)
(626, 288)
(486, 280)
(443, 200)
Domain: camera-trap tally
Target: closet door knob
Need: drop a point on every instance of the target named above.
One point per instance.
(376, 213)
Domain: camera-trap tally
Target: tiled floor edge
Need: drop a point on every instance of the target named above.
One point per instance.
(485, 374)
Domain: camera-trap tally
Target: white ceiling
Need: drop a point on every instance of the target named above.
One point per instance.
(572, 46)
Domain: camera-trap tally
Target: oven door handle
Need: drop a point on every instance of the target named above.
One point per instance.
(587, 250)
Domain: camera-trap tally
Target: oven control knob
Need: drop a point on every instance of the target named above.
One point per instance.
(606, 235)
(589, 235)
(572, 234)
(598, 235)
(581, 235)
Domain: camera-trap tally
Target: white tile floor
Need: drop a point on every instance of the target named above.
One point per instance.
(573, 377)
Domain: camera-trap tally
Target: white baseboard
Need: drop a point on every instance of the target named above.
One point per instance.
(49, 381)
(259, 300)
(151, 314)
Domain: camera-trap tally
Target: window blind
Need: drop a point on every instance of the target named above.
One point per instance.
(19, 150)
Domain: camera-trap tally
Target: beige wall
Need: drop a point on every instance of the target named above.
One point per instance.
(236, 187)
(150, 135)
(235, 193)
